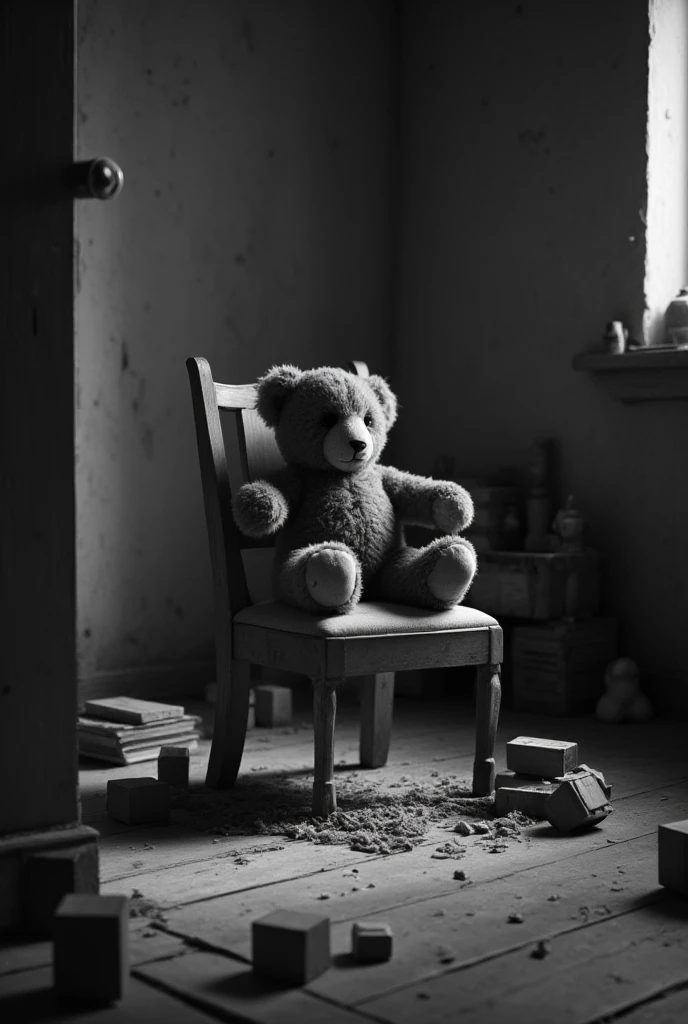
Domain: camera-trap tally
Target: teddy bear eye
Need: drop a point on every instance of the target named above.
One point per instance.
(329, 420)
(368, 419)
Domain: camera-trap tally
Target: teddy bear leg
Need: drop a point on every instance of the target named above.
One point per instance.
(321, 577)
(436, 576)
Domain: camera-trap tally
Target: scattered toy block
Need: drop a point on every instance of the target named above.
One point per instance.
(585, 770)
(138, 801)
(578, 802)
(511, 779)
(371, 942)
(672, 850)
(529, 800)
(291, 947)
(173, 766)
(272, 705)
(52, 874)
(546, 759)
(91, 953)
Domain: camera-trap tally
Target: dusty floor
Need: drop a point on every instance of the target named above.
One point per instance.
(524, 927)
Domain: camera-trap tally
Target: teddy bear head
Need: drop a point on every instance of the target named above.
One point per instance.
(327, 418)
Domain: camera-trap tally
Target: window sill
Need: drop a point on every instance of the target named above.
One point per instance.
(640, 375)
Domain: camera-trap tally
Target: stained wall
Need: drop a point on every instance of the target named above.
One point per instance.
(253, 228)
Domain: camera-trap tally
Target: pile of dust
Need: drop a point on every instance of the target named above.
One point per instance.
(370, 817)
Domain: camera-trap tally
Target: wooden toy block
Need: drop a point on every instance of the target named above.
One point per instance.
(291, 947)
(173, 766)
(529, 800)
(578, 802)
(90, 948)
(513, 780)
(546, 759)
(138, 801)
(52, 874)
(371, 942)
(672, 851)
(585, 770)
(273, 705)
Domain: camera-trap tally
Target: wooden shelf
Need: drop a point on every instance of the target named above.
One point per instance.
(641, 375)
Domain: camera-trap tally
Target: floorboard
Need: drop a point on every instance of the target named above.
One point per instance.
(616, 942)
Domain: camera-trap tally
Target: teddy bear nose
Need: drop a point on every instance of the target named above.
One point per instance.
(357, 446)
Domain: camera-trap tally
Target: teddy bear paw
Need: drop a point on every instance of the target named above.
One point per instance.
(331, 577)
(452, 573)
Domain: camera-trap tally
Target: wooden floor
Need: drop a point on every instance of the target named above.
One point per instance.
(617, 942)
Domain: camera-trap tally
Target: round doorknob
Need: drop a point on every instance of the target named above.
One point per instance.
(101, 178)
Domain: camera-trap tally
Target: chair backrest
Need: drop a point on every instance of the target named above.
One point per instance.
(259, 456)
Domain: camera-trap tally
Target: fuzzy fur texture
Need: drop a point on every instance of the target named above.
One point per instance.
(333, 496)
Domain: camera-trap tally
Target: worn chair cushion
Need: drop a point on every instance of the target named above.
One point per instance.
(369, 618)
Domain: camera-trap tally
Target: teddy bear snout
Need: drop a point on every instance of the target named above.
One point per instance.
(358, 446)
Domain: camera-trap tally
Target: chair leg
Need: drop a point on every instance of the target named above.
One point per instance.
(229, 732)
(377, 705)
(324, 713)
(488, 695)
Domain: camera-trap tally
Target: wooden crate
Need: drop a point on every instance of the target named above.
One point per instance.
(529, 585)
(557, 668)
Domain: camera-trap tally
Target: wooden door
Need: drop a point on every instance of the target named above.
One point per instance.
(38, 762)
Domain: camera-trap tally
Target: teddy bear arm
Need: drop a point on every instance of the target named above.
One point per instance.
(260, 509)
(423, 501)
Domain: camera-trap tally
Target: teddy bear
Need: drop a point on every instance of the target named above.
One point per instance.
(338, 513)
(623, 700)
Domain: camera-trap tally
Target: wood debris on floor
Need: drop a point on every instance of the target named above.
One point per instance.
(575, 921)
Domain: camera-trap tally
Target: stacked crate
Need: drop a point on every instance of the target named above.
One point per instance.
(558, 667)
(557, 644)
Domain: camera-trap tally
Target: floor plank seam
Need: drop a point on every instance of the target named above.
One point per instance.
(609, 844)
(515, 948)
(655, 998)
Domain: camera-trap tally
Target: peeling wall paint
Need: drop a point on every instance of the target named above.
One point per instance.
(524, 171)
(253, 228)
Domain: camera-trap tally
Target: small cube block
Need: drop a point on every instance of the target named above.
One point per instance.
(138, 801)
(529, 800)
(91, 953)
(578, 802)
(173, 766)
(291, 947)
(530, 755)
(672, 851)
(52, 874)
(273, 705)
(371, 942)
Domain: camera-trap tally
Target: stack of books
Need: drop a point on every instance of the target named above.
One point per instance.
(124, 730)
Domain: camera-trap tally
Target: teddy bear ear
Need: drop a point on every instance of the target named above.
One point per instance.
(274, 388)
(385, 396)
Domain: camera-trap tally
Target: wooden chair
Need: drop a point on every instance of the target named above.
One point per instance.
(373, 641)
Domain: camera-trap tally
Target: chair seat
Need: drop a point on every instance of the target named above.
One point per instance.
(369, 618)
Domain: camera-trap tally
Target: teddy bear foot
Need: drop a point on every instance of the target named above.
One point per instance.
(453, 573)
(331, 577)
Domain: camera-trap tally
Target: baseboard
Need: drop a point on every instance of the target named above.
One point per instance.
(149, 682)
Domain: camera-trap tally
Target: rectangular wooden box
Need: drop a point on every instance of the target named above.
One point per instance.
(557, 668)
(530, 585)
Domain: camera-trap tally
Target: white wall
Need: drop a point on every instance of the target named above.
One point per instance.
(524, 183)
(253, 228)
(667, 135)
